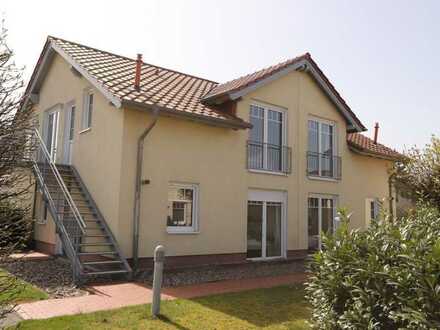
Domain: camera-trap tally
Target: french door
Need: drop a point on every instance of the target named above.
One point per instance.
(265, 229)
(69, 133)
(321, 217)
(51, 136)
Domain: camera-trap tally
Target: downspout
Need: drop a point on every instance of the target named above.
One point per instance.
(138, 184)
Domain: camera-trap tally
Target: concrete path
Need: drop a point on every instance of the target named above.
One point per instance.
(113, 296)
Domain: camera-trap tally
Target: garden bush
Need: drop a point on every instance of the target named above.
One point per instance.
(384, 277)
(15, 227)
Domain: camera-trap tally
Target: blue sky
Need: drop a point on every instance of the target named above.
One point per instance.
(382, 56)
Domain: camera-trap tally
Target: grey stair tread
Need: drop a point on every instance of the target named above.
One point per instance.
(96, 253)
(107, 272)
(106, 262)
(96, 244)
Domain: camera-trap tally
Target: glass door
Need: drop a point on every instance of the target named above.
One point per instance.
(321, 215)
(69, 134)
(264, 231)
(52, 134)
(255, 230)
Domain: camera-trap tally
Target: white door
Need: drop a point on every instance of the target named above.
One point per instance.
(52, 133)
(69, 133)
(266, 225)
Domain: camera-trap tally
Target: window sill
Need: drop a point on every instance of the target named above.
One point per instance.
(267, 172)
(321, 178)
(173, 231)
(85, 130)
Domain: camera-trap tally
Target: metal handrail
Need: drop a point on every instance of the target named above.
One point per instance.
(315, 168)
(268, 157)
(60, 181)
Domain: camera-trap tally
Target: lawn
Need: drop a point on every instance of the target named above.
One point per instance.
(22, 291)
(275, 308)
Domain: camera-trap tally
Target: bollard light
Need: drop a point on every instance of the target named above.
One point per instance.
(159, 258)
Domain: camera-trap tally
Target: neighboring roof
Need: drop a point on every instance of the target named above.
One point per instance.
(365, 145)
(173, 92)
(238, 87)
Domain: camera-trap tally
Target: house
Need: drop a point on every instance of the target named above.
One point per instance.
(133, 155)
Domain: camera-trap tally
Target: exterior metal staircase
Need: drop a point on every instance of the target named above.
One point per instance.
(86, 238)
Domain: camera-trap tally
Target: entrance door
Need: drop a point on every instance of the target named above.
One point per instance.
(69, 133)
(52, 133)
(265, 226)
(321, 215)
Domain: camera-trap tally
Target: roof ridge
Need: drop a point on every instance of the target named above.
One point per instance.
(131, 59)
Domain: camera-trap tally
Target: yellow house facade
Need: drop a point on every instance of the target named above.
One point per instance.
(250, 170)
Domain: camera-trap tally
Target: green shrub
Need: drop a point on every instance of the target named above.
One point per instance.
(385, 277)
(15, 227)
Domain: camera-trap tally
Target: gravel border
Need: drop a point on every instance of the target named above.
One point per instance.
(213, 273)
(54, 275)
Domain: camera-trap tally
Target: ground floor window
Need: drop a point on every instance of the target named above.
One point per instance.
(265, 228)
(321, 215)
(372, 209)
(182, 208)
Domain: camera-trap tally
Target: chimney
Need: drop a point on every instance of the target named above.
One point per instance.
(137, 76)
(376, 132)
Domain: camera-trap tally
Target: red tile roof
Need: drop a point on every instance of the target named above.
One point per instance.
(168, 89)
(364, 144)
(249, 79)
(253, 78)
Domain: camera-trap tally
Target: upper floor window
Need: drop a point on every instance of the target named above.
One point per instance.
(322, 159)
(182, 208)
(88, 109)
(266, 145)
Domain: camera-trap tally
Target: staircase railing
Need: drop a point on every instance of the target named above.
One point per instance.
(70, 227)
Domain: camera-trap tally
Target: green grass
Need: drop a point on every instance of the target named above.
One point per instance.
(22, 291)
(276, 308)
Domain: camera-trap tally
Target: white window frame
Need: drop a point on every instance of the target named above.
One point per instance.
(284, 122)
(195, 214)
(320, 122)
(55, 110)
(42, 212)
(86, 122)
(335, 208)
(368, 202)
(268, 196)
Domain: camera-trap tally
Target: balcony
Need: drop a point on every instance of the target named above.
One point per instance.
(324, 166)
(268, 157)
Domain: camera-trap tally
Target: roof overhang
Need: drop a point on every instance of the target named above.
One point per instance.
(43, 65)
(169, 112)
(367, 153)
(303, 65)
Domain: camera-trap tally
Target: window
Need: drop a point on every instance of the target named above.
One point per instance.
(42, 206)
(372, 209)
(182, 208)
(266, 145)
(321, 218)
(321, 157)
(88, 109)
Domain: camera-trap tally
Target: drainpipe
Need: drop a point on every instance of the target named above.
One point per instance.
(137, 192)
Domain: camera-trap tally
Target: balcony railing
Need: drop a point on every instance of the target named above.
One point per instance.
(324, 165)
(268, 157)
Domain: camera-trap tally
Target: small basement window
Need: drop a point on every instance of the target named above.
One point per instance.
(182, 208)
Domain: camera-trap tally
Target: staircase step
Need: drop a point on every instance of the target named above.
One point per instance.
(109, 262)
(108, 272)
(96, 244)
(96, 253)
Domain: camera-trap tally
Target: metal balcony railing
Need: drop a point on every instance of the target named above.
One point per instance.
(268, 157)
(324, 165)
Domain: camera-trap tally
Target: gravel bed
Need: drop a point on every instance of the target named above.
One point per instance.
(54, 276)
(213, 273)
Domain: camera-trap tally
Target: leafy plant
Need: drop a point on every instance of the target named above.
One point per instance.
(385, 277)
